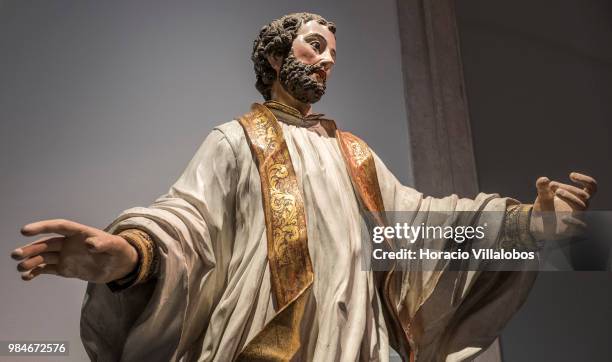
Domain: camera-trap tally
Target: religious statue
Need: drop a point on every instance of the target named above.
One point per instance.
(255, 252)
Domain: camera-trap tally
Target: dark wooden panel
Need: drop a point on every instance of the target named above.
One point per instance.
(440, 137)
(438, 119)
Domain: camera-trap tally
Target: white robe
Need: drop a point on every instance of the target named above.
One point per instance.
(214, 294)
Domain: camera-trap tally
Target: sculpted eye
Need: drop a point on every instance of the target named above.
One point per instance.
(316, 45)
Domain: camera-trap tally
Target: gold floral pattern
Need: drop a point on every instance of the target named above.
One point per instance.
(362, 169)
(290, 264)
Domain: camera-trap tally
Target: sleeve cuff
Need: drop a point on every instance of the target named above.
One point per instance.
(147, 264)
(516, 232)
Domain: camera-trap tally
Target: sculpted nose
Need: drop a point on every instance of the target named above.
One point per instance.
(327, 62)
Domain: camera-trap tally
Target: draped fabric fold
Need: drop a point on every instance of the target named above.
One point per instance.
(261, 259)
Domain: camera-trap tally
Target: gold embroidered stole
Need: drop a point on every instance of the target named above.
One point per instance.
(362, 170)
(290, 265)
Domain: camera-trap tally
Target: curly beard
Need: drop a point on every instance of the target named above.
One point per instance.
(295, 78)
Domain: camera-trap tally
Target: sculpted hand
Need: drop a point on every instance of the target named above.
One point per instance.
(555, 208)
(80, 252)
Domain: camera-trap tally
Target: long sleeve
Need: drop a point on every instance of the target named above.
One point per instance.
(450, 315)
(192, 227)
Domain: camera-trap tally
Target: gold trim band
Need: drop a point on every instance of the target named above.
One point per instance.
(516, 232)
(147, 258)
(288, 257)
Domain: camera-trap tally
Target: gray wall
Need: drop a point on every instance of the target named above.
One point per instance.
(102, 104)
(539, 84)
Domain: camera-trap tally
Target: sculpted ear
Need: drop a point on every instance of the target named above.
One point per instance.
(276, 61)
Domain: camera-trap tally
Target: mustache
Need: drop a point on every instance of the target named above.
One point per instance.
(318, 69)
(315, 68)
(296, 65)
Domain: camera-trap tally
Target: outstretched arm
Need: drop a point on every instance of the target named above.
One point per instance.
(441, 309)
(192, 229)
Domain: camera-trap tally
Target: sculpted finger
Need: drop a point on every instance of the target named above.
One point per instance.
(42, 269)
(44, 258)
(58, 226)
(572, 199)
(39, 246)
(570, 220)
(589, 183)
(543, 187)
(576, 227)
(573, 189)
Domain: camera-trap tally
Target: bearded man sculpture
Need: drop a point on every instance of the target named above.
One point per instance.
(255, 252)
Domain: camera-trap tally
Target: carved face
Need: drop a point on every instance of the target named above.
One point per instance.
(305, 70)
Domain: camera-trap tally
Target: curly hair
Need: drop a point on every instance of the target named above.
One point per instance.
(276, 39)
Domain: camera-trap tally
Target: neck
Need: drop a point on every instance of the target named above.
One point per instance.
(280, 95)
